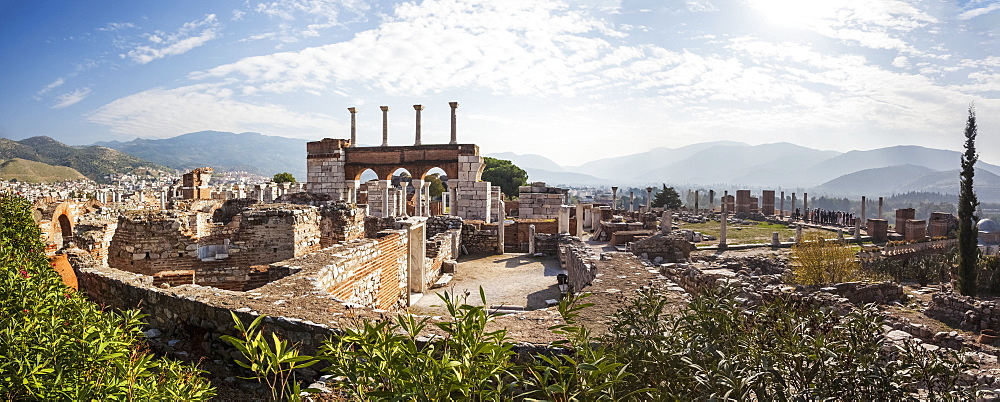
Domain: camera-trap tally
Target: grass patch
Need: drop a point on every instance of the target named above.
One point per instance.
(751, 234)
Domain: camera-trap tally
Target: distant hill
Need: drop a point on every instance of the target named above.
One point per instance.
(758, 165)
(909, 178)
(94, 162)
(853, 161)
(626, 167)
(27, 171)
(251, 152)
(528, 161)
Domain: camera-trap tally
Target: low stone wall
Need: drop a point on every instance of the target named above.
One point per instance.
(863, 293)
(238, 278)
(367, 272)
(442, 223)
(547, 244)
(968, 311)
(578, 259)
(340, 222)
(479, 237)
(440, 248)
(625, 236)
(662, 248)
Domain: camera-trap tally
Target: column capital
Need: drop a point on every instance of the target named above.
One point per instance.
(384, 108)
(352, 109)
(453, 104)
(418, 107)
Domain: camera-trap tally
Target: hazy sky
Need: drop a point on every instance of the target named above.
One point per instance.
(570, 80)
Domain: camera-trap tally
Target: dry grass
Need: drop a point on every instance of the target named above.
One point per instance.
(760, 232)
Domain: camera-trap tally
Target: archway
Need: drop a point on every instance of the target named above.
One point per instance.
(66, 229)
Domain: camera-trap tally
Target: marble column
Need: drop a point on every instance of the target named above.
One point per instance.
(354, 126)
(666, 223)
(631, 201)
(863, 218)
(426, 194)
(406, 200)
(418, 108)
(649, 199)
(879, 208)
(781, 211)
(614, 198)
(579, 220)
(384, 188)
(418, 200)
(385, 125)
(531, 239)
(722, 229)
(805, 204)
(454, 121)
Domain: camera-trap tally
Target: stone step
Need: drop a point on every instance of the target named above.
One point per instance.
(442, 281)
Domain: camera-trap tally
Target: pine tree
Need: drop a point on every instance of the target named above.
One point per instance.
(967, 203)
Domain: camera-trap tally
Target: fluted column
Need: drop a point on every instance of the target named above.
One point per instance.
(385, 125)
(354, 126)
(418, 108)
(454, 121)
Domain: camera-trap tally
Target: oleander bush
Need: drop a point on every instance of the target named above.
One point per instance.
(56, 345)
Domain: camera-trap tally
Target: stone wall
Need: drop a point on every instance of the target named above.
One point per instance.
(578, 259)
(366, 272)
(479, 237)
(662, 248)
(968, 311)
(538, 201)
(340, 222)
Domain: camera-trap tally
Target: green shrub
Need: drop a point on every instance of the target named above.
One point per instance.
(55, 345)
(387, 361)
(781, 350)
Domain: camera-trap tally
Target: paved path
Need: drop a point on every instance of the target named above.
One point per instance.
(508, 279)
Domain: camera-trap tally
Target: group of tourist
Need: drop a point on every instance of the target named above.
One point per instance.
(827, 217)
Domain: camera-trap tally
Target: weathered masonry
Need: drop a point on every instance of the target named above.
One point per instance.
(334, 167)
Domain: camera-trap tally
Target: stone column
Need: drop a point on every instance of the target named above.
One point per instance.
(163, 199)
(711, 201)
(531, 239)
(792, 209)
(563, 219)
(406, 200)
(418, 108)
(775, 239)
(781, 210)
(500, 228)
(453, 201)
(614, 198)
(454, 121)
(665, 222)
(385, 125)
(426, 195)
(805, 204)
(649, 199)
(863, 219)
(798, 233)
(354, 126)
(695, 201)
(384, 188)
(722, 229)
(418, 200)
(631, 201)
(879, 208)
(352, 191)
(579, 220)
(725, 196)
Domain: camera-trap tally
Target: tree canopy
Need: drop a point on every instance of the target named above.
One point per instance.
(668, 198)
(437, 186)
(967, 202)
(505, 174)
(283, 178)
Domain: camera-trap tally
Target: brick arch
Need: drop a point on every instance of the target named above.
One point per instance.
(62, 221)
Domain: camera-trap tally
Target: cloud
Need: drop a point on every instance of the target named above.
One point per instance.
(116, 26)
(71, 98)
(55, 84)
(975, 12)
(318, 15)
(187, 37)
(164, 113)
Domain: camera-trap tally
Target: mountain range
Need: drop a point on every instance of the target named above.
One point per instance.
(224, 151)
(724, 164)
(94, 162)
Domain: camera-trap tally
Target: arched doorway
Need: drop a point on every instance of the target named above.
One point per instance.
(66, 229)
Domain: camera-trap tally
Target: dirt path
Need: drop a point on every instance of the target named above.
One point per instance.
(508, 280)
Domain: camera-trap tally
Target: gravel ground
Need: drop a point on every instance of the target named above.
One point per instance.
(510, 280)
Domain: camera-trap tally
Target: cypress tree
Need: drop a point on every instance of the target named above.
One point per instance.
(967, 203)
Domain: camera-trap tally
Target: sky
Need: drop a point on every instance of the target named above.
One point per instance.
(573, 81)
